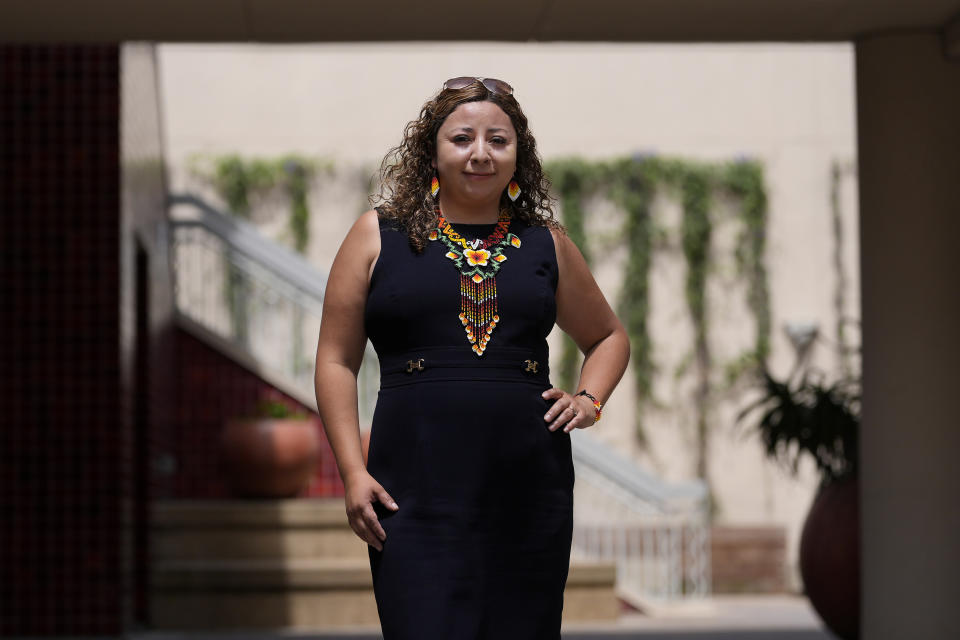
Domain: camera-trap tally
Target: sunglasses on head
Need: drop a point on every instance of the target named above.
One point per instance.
(492, 84)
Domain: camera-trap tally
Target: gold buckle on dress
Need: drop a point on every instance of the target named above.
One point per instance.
(418, 365)
(531, 365)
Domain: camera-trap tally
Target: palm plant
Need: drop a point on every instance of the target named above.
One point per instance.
(810, 416)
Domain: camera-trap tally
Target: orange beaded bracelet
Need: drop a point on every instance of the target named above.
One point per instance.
(598, 407)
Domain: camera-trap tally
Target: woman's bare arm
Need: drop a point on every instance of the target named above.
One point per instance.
(342, 341)
(584, 314)
(340, 348)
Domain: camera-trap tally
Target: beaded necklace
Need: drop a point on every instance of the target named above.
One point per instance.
(478, 262)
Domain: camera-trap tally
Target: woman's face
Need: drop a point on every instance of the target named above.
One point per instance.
(476, 153)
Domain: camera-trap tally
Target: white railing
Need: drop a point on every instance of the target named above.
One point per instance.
(259, 301)
(261, 304)
(657, 534)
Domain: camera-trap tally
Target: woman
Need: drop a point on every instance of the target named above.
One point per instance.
(466, 497)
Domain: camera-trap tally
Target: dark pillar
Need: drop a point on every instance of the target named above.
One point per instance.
(908, 106)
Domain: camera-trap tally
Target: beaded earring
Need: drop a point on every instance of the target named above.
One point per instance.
(434, 186)
(513, 190)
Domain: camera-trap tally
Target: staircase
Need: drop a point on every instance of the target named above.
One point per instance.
(290, 564)
(258, 564)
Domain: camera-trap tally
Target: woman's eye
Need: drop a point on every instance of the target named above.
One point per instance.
(499, 140)
(461, 138)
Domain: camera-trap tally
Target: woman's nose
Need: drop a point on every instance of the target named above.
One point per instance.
(480, 152)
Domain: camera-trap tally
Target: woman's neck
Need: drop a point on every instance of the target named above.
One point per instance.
(487, 213)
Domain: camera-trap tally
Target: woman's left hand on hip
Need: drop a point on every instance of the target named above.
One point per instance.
(569, 412)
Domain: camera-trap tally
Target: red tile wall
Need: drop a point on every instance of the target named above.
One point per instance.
(105, 406)
(212, 388)
(61, 481)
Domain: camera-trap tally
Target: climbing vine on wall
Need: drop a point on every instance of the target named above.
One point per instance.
(236, 179)
(696, 232)
(744, 180)
(569, 178)
(631, 183)
(631, 186)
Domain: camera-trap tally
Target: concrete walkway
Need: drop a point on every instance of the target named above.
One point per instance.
(719, 618)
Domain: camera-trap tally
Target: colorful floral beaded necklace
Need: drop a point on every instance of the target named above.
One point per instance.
(478, 262)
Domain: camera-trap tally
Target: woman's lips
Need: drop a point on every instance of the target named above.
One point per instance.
(478, 176)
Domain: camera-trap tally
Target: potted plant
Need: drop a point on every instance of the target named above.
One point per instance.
(810, 416)
(271, 453)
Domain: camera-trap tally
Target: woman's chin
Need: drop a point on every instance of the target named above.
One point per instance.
(482, 192)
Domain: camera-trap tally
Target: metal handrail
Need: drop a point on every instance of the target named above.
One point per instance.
(625, 473)
(244, 239)
(284, 282)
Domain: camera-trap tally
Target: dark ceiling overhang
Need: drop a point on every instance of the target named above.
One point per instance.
(283, 21)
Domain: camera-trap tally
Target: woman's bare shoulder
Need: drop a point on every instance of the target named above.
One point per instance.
(368, 222)
(360, 247)
(558, 234)
(561, 245)
(366, 232)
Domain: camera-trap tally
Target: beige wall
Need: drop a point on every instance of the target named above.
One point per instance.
(792, 106)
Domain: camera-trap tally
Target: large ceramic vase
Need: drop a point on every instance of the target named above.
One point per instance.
(269, 457)
(830, 557)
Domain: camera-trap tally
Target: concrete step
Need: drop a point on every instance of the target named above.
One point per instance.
(294, 512)
(263, 574)
(262, 593)
(224, 529)
(245, 564)
(314, 594)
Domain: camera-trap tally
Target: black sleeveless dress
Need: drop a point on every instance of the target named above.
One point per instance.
(480, 545)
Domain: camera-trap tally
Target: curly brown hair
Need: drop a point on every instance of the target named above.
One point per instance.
(406, 170)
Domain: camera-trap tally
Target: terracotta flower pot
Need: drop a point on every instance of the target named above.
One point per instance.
(830, 557)
(269, 457)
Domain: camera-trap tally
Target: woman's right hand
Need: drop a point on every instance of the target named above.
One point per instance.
(360, 492)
